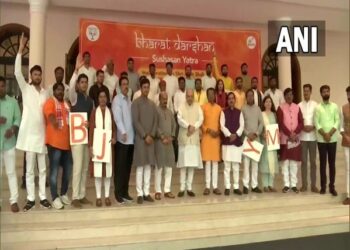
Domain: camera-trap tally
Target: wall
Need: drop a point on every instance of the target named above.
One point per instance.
(63, 26)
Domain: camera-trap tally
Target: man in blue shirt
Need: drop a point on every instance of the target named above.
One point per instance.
(124, 149)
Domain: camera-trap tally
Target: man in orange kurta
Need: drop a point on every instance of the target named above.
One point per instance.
(210, 144)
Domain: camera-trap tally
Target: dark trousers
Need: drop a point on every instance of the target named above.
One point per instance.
(175, 141)
(57, 158)
(327, 150)
(123, 155)
(308, 148)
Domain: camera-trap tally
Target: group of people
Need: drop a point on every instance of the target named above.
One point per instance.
(165, 123)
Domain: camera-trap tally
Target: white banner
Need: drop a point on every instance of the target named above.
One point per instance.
(78, 132)
(102, 145)
(252, 149)
(272, 136)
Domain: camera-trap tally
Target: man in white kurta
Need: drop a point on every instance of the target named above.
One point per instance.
(88, 70)
(208, 81)
(31, 136)
(180, 94)
(275, 93)
(171, 80)
(154, 82)
(111, 79)
(190, 119)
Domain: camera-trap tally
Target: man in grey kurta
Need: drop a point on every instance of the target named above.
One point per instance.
(165, 156)
(144, 116)
(253, 127)
(133, 76)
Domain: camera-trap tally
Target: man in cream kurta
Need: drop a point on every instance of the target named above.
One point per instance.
(88, 70)
(31, 136)
(190, 119)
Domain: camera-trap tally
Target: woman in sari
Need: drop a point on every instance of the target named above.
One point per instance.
(102, 119)
(220, 96)
(268, 165)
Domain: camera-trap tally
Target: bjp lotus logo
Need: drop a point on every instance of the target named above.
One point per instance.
(251, 42)
(92, 33)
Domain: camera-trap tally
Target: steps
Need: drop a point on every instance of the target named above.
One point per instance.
(181, 223)
(208, 221)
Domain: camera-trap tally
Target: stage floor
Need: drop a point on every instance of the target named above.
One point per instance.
(180, 223)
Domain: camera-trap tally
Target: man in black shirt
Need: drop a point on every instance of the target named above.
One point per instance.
(95, 89)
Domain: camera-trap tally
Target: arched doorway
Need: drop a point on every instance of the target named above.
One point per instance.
(270, 69)
(71, 57)
(10, 35)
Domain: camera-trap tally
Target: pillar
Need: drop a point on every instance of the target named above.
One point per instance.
(284, 65)
(37, 32)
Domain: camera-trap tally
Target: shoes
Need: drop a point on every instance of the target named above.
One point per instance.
(139, 199)
(169, 195)
(108, 202)
(333, 192)
(190, 193)
(227, 191)
(120, 200)
(272, 190)
(65, 200)
(76, 204)
(181, 194)
(14, 207)
(45, 204)
(322, 191)
(85, 201)
(295, 190)
(285, 190)
(256, 190)
(245, 190)
(346, 201)
(128, 198)
(206, 191)
(29, 205)
(315, 190)
(98, 203)
(237, 191)
(158, 196)
(217, 191)
(57, 203)
(148, 198)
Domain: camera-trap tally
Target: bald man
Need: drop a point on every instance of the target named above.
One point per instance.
(165, 157)
(190, 119)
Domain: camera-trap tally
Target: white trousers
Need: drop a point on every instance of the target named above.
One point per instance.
(143, 179)
(246, 175)
(167, 179)
(80, 154)
(98, 186)
(30, 183)
(186, 178)
(290, 171)
(211, 174)
(9, 157)
(347, 160)
(235, 174)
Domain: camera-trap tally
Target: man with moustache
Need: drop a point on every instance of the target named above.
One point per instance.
(56, 111)
(327, 122)
(31, 136)
(165, 156)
